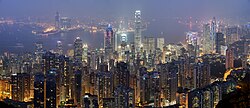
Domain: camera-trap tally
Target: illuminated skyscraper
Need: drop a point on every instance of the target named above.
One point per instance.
(38, 52)
(104, 86)
(138, 30)
(65, 23)
(78, 50)
(160, 43)
(213, 32)
(57, 20)
(109, 42)
(206, 40)
(59, 48)
(85, 53)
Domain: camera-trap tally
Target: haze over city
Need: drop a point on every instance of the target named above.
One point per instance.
(124, 53)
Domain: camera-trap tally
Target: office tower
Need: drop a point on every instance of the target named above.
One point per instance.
(229, 58)
(138, 30)
(49, 62)
(20, 87)
(232, 35)
(104, 86)
(206, 40)
(124, 97)
(38, 52)
(90, 101)
(39, 90)
(121, 75)
(191, 37)
(160, 43)
(213, 32)
(57, 20)
(65, 23)
(149, 44)
(59, 47)
(219, 42)
(109, 42)
(85, 53)
(192, 43)
(78, 50)
(50, 89)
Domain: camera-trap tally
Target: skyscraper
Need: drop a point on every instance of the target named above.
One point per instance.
(213, 32)
(160, 43)
(50, 88)
(59, 49)
(78, 50)
(20, 87)
(57, 20)
(109, 42)
(49, 61)
(121, 74)
(39, 90)
(138, 30)
(229, 58)
(219, 42)
(206, 40)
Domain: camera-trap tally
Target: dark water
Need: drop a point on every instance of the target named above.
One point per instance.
(19, 39)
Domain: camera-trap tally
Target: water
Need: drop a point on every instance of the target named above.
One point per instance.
(19, 39)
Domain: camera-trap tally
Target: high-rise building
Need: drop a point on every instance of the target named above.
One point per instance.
(219, 42)
(39, 90)
(20, 87)
(206, 40)
(109, 42)
(124, 97)
(149, 44)
(50, 89)
(38, 52)
(85, 53)
(65, 23)
(201, 75)
(168, 82)
(138, 30)
(78, 50)
(78, 88)
(232, 35)
(59, 49)
(121, 75)
(160, 43)
(229, 58)
(213, 32)
(49, 61)
(57, 20)
(104, 86)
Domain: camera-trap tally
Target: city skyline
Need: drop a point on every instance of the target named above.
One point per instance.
(125, 54)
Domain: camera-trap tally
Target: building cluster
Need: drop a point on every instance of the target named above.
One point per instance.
(127, 72)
